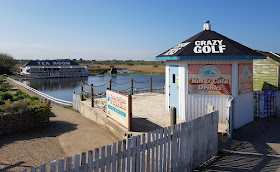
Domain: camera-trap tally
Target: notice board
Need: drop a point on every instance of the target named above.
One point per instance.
(119, 108)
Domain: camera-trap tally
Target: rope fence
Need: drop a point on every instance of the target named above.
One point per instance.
(90, 94)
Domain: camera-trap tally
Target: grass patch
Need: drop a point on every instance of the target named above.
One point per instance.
(68, 106)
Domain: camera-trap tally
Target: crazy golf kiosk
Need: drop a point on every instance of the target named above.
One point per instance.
(210, 72)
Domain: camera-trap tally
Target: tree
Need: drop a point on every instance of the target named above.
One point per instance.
(7, 62)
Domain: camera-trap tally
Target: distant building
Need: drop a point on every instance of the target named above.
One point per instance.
(53, 69)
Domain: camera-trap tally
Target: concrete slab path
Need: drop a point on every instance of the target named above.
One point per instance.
(255, 147)
(69, 133)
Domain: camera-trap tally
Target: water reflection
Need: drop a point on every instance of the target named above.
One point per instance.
(63, 88)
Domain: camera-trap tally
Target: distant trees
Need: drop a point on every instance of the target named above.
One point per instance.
(7, 62)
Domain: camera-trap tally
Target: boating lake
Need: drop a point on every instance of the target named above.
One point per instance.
(63, 88)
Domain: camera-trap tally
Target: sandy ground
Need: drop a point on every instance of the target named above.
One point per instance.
(68, 134)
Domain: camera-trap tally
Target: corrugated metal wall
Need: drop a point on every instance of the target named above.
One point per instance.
(197, 106)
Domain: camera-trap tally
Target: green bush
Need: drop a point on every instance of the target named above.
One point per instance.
(6, 95)
(17, 102)
(14, 107)
(2, 102)
(42, 109)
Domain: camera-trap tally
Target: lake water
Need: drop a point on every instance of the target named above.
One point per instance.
(63, 88)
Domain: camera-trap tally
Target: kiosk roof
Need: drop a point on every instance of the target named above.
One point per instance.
(209, 45)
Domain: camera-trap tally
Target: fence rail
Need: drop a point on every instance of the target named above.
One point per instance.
(90, 94)
(53, 99)
(190, 144)
(55, 75)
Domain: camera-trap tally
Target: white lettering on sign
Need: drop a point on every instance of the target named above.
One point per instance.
(53, 63)
(209, 46)
(176, 49)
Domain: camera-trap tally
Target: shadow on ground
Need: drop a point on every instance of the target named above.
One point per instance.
(11, 166)
(143, 125)
(55, 128)
(254, 147)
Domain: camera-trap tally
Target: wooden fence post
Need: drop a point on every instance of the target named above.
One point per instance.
(172, 117)
(129, 127)
(151, 85)
(82, 90)
(110, 84)
(92, 95)
(131, 89)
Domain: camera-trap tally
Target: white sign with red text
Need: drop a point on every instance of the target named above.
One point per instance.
(118, 107)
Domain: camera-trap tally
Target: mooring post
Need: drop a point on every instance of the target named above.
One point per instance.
(110, 84)
(82, 90)
(131, 89)
(129, 127)
(151, 85)
(92, 95)
(172, 117)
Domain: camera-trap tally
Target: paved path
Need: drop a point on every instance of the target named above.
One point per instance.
(69, 133)
(255, 147)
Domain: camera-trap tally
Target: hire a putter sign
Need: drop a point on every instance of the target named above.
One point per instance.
(118, 108)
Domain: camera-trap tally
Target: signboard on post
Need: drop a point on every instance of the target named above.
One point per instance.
(210, 79)
(245, 78)
(119, 108)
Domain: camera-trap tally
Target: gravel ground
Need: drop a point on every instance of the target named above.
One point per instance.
(68, 134)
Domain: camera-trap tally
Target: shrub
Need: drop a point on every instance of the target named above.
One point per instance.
(17, 102)
(2, 102)
(34, 98)
(6, 95)
(20, 97)
(14, 108)
(42, 109)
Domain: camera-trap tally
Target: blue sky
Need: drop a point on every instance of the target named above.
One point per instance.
(129, 29)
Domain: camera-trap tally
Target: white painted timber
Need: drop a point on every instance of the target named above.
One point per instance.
(191, 143)
(192, 106)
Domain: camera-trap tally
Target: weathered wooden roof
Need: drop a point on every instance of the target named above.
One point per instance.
(273, 56)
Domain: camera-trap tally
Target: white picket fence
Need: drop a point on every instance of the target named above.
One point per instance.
(53, 99)
(76, 102)
(190, 144)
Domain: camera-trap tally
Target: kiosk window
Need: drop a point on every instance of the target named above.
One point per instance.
(173, 78)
